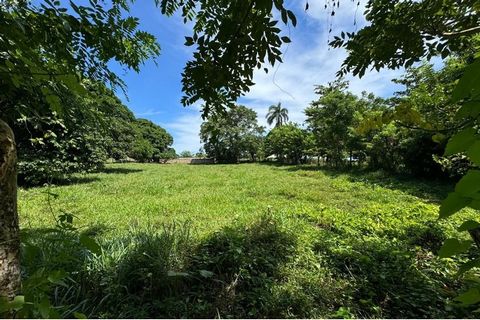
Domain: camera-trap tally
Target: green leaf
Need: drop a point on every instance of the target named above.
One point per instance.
(56, 277)
(206, 274)
(189, 41)
(468, 225)
(469, 184)
(284, 16)
(177, 274)
(54, 102)
(453, 246)
(79, 315)
(468, 109)
(292, 17)
(461, 141)
(469, 265)
(452, 204)
(474, 152)
(73, 83)
(90, 244)
(44, 307)
(17, 302)
(286, 39)
(470, 297)
(468, 84)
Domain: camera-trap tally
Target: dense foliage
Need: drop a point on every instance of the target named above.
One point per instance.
(331, 119)
(46, 47)
(407, 133)
(232, 135)
(186, 154)
(231, 38)
(154, 140)
(400, 33)
(288, 143)
(286, 242)
(64, 123)
(91, 128)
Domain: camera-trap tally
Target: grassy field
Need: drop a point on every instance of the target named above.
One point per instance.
(249, 240)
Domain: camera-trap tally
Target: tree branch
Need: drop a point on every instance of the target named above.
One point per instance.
(446, 130)
(465, 32)
(38, 73)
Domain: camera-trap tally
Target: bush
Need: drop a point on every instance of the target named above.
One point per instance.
(56, 156)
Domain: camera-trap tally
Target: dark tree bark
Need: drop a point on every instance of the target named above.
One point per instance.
(9, 231)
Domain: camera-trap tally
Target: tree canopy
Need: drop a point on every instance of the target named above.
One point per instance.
(49, 45)
(331, 118)
(400, 33)
(287, 142)
(230, 135)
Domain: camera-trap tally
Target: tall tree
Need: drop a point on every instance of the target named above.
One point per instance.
(45, 47)
(277, 114)
(288, 142)
(9, 242)
(230, 135)
(156, 136)
(330, 118)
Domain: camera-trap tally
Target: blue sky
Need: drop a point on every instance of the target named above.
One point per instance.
(155, 92)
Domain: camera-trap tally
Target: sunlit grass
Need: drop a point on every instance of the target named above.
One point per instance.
(213, 195)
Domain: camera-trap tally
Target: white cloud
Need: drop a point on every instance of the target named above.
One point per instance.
(185, 130)
(149, 112)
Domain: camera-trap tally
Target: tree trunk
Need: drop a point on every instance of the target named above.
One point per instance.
(9, 231)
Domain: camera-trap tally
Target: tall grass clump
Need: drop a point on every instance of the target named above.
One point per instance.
(118, 280)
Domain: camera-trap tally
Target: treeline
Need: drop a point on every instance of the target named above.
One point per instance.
(403, 134)
(81, 134)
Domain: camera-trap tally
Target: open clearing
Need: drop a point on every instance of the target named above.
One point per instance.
(270, 241)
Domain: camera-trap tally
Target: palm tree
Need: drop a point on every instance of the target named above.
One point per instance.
(277, 114)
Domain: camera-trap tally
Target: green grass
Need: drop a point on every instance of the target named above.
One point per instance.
(214, 196)
(262, 241)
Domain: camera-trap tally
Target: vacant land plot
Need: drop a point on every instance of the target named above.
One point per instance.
(246, 240)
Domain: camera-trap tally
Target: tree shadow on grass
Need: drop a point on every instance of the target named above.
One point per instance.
(78, 179)
(111, 170)
(276, 164)
(434, 190)
(160, 272)
(429, 190)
